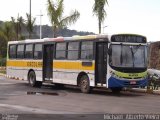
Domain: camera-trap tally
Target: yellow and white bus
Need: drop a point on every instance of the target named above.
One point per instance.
(114, 62)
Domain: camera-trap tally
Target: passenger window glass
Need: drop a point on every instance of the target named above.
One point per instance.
(61, 46)
(29, 51)
(87, 50)
(38, 51)
(73, 50)
(60, 50)
(20, 51)
(12, 51)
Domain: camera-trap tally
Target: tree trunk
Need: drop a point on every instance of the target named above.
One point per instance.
(29, 35)
(54, 32)
(17, 31)
(99, 24)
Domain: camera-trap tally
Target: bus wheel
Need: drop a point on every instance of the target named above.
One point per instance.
(32, 80)
(84, 84)
(116, 90)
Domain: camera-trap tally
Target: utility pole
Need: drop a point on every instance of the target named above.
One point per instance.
(17, 24)
(30, 9)
(40, 30)
(30, 17)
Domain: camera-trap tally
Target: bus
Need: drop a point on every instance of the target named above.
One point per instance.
(110, 61)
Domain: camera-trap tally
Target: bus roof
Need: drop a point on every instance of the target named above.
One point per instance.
(87, 37)
(76, 37)
(26, 41)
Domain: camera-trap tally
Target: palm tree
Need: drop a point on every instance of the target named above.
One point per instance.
(30, 25)
(98, 10)
(17, 25)
(6, 34)
(55, 13)
(21, 23)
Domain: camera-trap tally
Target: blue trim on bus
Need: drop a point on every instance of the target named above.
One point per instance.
(114, 82)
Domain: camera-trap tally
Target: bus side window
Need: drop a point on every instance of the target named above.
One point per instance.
(73, 50)
(60, 50)
(38, 51)
(20, 51)
(12, 51)
(87, 50)
(29, 51)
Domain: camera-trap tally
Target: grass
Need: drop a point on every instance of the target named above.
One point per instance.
(2, 70)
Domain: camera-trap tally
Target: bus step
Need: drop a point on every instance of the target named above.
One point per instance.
(101, 85)
(48, 81)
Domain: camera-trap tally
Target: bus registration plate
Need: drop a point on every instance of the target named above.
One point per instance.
(133, 82)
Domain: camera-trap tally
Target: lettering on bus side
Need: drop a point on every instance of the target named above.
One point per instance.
(34, 64)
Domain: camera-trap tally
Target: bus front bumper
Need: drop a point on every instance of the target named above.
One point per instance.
(117, 83)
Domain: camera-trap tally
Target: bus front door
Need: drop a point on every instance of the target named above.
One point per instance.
(48, 62)
(101, 62)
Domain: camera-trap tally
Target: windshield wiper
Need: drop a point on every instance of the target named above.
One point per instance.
(137, 48)
(121, 59)
(131, 47)
(133, 53)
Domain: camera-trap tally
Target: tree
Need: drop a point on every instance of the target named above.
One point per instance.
(98, 10)
(18, 24)
(21, 25)
(55, 13)
(7, 31)
(3, 46)
(6, 34)
(30, 25)
(15, 26)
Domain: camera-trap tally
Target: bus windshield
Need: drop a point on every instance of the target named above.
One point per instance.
(128, 56)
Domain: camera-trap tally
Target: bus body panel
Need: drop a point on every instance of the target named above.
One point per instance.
(66, 71)
(21, 68)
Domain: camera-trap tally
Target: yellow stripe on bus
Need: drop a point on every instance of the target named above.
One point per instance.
(71, 65)
(18, 63)
(56, 64)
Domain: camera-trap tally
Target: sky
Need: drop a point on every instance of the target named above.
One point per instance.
(123, 16)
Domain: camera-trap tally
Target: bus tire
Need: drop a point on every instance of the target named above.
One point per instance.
(84, 84)
(32, 80)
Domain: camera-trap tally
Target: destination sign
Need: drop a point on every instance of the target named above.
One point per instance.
(128, 38)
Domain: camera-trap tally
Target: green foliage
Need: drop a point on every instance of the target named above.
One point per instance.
(99, 11)
(2, 62)
(7, 32)
(3, 46)
(71, 19)
(30, 24)
(55, 13)
(18, 24)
